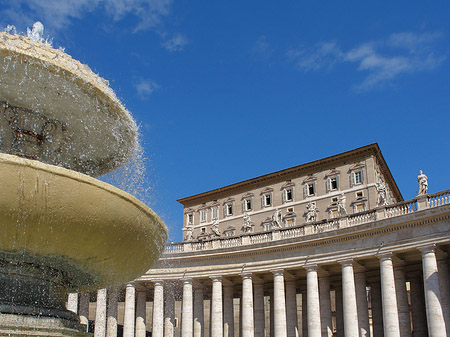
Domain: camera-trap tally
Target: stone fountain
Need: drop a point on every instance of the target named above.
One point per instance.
(61, 230)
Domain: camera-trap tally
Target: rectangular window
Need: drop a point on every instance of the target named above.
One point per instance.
(360, 208)
(203, 230)
(190, 219)
(334, 213)
(288, 194)
(333, 183)
(334, 200)
(267, 200)
(290, 210)
(311, 189)
(358, 177)
(203, 215)
(228, 209)
(290, 222)
(359, 194)
(248, 205)
(215, 212)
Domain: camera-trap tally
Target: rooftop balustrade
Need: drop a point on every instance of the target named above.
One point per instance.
(350, 220)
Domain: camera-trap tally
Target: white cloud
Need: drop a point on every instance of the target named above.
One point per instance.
(176, 43)
(382, 61)
(58, 14)
(145, 87)
(262, 47)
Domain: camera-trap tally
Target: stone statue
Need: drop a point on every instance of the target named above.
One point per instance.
(341, 204)
(382, 194)
(215, 228)
(422, 179)
(276, 219)
(189, 233)
(248, 224)
(311, 212)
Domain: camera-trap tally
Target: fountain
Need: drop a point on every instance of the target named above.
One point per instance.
(61, 230)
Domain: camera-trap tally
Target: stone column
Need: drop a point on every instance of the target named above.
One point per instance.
(391, 323)
(84, 309)
(339, 312)
(312, 303)
(418, 312)
(291, 306)
(187, 326)
(444, 287)
(304, 314)
(349, 300)
(169, 312)
(128, 318)
(258, 296)
(158, 311)
(272, 315)
(435, 317)
(325, 305)
(141, 303)
(111, 313)
(228, 309)
(247, 306)
(72, 302)
(402, 302)
(362, 305)
(279, 304)
(216, 307)
(100, 314)
(377, 312)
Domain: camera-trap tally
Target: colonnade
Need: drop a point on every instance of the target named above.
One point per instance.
(393, 301)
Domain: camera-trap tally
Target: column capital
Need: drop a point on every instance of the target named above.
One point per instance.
(385, 256)
(187, 280)
(277, 272)
(131, 285)
(427, 248)
(216, 278)
(311, 267)
(346, 262)
(158, 283)
(246, 275)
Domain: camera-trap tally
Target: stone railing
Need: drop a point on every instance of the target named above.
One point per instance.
(350, 220)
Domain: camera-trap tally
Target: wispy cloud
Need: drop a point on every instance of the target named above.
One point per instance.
(176, 43)
(58, 14)
(262, 47)
(381, 61)
(145, 87)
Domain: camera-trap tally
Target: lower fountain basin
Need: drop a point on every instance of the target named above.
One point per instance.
(90, 233)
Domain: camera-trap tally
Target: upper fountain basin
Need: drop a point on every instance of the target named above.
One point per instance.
(96, 234)
(56, 110)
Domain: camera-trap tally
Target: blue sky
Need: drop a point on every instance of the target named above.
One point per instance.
(229, 90)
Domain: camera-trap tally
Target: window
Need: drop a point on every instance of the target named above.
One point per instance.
(203, 230)
(359, 194)
(290, 222)
(190, 219)
(290, 209)
(203, 215)
(288, 194)
(228, 209)
(358, 177)
(359, 208)
(215, 213)
(332, 183)
(267, 200)
(309, 189)
(357, 174)
(247, 204)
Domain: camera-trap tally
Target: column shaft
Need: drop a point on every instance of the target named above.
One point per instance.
(418, 312)
(72, 302)
(216, 307)
(279, 304)
(339, 312)
(362, 305)
(312, 303)
(187, 326)
(349, 300)
(304, 314)
(391, 322)
(404, 315)
(158, 310)
(258, 295)
(291, 309)
(84, 309)
(247, 306)
(228, 311)
(111, 313)
(141, 303)
(128, 318)
(444, 287)
(377, 312)
(435, 317)
(325, 307)
(169, 313)
(100, 314)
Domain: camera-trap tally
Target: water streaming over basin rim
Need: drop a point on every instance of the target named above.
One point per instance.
(55, 214)
(93, 132)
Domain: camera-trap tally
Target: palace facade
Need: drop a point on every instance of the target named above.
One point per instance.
(327, 248)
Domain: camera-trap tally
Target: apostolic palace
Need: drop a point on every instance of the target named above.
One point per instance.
(326, 248)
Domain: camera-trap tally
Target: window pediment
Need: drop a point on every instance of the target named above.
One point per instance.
(309, 179)
(267, 190)
(332, 172)
(188, 211)
(287, 185)
(356, 166)
(228, 200)
(247, 195)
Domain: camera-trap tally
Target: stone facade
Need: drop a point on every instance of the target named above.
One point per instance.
(378, 272)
